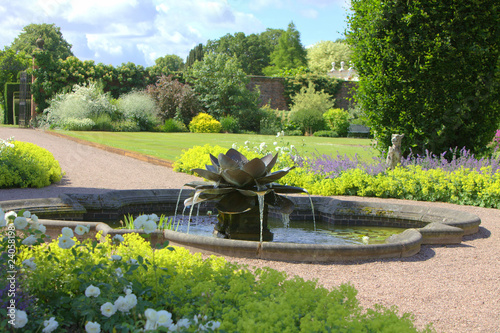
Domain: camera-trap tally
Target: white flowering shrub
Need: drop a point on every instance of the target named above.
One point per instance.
(105, 285)
(140, 108)
(83, 102)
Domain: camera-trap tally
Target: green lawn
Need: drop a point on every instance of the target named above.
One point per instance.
(168, 146)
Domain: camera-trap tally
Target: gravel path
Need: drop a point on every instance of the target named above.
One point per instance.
(457, 288)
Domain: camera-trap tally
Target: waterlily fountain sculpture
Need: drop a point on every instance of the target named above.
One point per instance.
(243, 190)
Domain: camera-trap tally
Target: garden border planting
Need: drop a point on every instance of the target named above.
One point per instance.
(427, 225)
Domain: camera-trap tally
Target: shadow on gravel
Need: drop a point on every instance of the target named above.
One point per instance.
(481, 234)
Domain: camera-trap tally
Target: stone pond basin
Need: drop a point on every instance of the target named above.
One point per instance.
(423, 224)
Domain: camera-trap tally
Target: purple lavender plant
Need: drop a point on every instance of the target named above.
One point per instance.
(332, 166)
(24, 301)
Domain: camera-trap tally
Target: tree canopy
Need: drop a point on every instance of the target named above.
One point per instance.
(321, 55)
(221, 85)
(54, 42)
(428, 70)
(289, 52)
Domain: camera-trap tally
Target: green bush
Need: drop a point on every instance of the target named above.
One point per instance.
(139, 107)
(102, 122)
(308, 108)
(271, 122)
(74, 124)
(204, 123)
(229, 124)
(338, 121)
(326, 134)
(84, 101)
(125, 126)
(173, 279)
(27, 165)
(294, 133)
(172, 125)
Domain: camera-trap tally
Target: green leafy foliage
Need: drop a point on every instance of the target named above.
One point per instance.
(428, 70)
(172, 125)
(171, 278)
(11, 63)
(55, 77)
(229, 124)
(204, 123)
(27, 165)
(288, 53)
(308, 108)
(338, 121)
(221, 85)
(174, 100)
(326, 134)
(84, 102)
(140, 108)
(54, 42)
(272, 121)
(321, 55)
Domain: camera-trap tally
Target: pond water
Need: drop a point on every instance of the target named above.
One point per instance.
(299, 231)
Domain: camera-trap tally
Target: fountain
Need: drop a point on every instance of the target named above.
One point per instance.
(244, 195)
(243, 191)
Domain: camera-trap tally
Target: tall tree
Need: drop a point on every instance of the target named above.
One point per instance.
(221, 85)
(289, 53)
(196, 54)
(252, 54)
(429, 70)
(54, 42)
(321, 55)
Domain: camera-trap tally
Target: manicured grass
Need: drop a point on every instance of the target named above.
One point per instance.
(169, 146)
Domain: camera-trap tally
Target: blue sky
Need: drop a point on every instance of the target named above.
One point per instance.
(139, 31)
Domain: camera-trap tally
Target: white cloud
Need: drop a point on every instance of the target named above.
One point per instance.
(310, 13)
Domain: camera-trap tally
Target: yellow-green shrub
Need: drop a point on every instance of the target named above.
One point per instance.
(241, 299)
(28, 165)
(204, 123)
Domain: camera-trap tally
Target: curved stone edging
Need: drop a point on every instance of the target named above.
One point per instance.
(426, 224)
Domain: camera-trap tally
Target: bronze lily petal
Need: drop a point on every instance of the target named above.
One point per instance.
(212, 168)
(207, 174)
(252, 193)
(269, 161)
(278, 188)
(282, 204)
(227, 163)
(197, 183)
(237, 156)
(236, 177)
(214, 160)
(255, 168)
(235, 203)
(273, 176)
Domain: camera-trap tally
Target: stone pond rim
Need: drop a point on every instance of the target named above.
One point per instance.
(426, 225)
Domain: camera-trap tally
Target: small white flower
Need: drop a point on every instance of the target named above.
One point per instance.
(92, 291)
(39, 226)
(275, 143)
(125, 304)
(116, 257)
(30, 240)
(263, 146)
(153, 217)
(235, 146)
(132, 261)
(21, 319)
(34, 218)
(212, 325)
(184, 322)
(108, 309)
(3, 220)
(67, 232)
(151, 319)
(282, 133)
(131, 300)
(118, 238)
(92, 327)
(119, 272)
(20, 222)
(365, 239)
(247, 143)
(139, 221)
(66, 242)
(149, 226)
(127, 291)
(164, 318)
(30, 263)
(278, 134)
(27, 214)
(81, 230)
(50, 325)
(10, 215)
(292, 147)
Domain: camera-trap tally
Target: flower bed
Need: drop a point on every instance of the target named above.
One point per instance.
(124, 284)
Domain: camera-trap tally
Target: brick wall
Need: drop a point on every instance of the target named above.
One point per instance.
(272, 92)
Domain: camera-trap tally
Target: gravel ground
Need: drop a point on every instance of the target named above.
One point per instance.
(457, 288)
